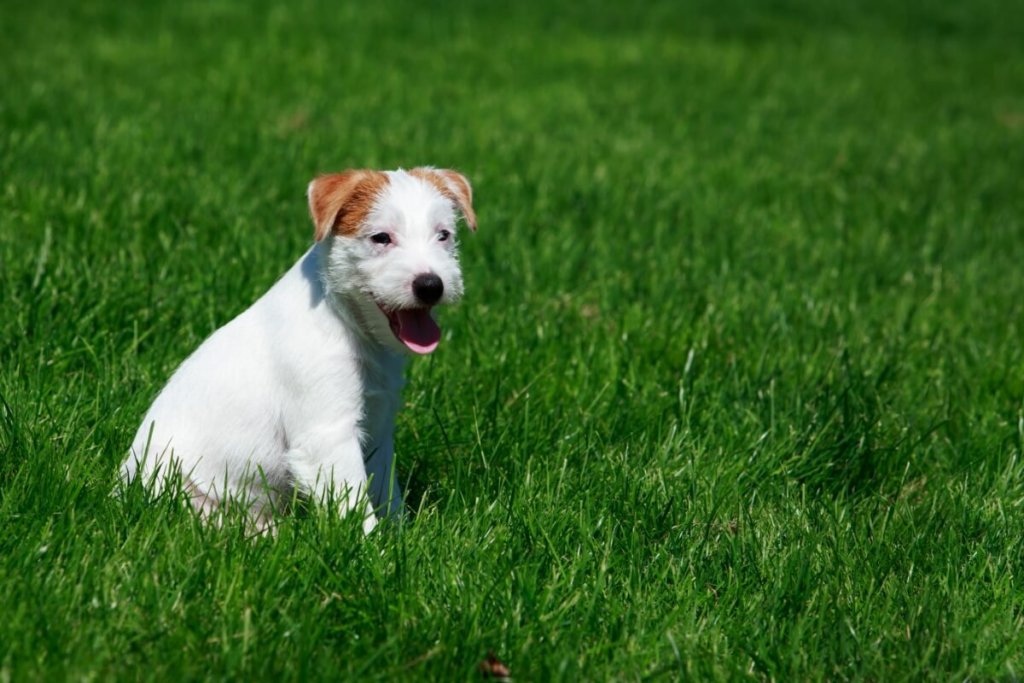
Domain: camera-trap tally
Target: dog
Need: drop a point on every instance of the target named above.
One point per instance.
(298, 394)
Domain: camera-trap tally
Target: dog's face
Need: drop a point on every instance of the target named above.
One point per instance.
(391, 248)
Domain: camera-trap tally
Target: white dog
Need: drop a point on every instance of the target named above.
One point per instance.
(300, 391)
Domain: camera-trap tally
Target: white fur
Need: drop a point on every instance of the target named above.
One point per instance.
(301, 389)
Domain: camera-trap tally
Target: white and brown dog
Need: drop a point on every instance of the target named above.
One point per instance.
(299, 392)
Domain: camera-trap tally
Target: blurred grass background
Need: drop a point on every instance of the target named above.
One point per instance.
(737, 389)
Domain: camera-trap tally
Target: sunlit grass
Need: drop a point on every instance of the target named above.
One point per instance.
(736, 390)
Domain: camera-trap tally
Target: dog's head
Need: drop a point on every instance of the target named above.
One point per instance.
(391, 251)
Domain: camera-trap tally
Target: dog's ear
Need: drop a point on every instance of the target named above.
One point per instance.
(453, 185)
(462, 193)
(339, 202)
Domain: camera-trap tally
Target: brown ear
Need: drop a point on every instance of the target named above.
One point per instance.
(340, 202)
(453, 185)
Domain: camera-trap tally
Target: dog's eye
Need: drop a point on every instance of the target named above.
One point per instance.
(443, 235)
(380, 238)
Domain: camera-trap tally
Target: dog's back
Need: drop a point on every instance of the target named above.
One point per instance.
(218, 420)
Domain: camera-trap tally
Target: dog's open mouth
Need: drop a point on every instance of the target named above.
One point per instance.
(414, 327)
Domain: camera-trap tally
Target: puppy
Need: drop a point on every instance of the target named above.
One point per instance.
(299, 392)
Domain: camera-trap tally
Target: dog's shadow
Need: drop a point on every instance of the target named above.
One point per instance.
(309, 270)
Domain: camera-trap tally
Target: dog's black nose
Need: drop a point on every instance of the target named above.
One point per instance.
(428, 288)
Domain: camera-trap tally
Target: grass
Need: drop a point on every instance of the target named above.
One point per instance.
(736, 392)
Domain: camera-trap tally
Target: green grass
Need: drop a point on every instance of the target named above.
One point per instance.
(736, 392)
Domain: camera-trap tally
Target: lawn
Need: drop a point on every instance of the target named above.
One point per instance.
(736, 390)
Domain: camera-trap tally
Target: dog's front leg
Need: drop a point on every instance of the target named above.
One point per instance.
(328, 465)
(385, 492)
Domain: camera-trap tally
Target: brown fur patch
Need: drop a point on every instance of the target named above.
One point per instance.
(452, 185)
(340, 202)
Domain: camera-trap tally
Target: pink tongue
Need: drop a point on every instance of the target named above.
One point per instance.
(417, 330)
